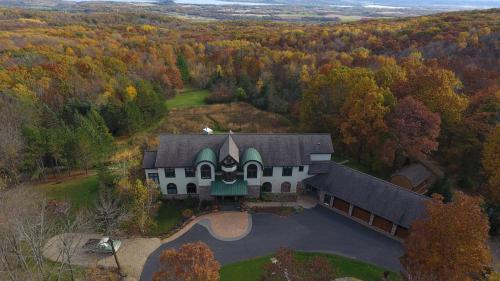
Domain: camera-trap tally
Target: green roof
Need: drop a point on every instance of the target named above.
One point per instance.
(251, 154)
(220, 188)
(206, 155)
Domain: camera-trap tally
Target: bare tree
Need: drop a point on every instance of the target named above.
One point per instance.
(109, 214)
(25, 227)
(11, 142)
(29, 225)
(70, 226)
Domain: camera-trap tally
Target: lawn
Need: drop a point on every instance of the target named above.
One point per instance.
(251, 270)
(188, 98)
(170, 215)
(81, 192)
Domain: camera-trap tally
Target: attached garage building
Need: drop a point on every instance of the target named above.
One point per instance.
(374, 202)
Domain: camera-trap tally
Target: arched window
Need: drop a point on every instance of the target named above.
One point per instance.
(171, 188)
(206, 171)
(252, 171)
(285, 187)
(267, 187)
(191, 188)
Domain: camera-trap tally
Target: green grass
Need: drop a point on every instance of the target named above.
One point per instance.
(251, 270)
(80, 192)
(188, 98)
(170, 215)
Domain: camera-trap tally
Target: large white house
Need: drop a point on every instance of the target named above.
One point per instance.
(234, 166)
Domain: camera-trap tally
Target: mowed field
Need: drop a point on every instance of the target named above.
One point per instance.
(187, 98)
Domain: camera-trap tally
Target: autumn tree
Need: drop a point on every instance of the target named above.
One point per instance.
(362, 121)
(285, 265)
(192, 262)
(415, 128)
(436, 87)
(491, 163)
(449, 243)
(141, 200)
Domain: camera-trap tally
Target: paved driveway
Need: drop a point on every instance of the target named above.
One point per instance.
(314, 230)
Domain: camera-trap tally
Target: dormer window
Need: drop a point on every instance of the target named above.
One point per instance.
(206, 171)
(252, 171)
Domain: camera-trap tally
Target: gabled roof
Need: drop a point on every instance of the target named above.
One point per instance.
(251, 154)
(275, 149)
(206, 155)
(319, 167)
(380, 197)
(149, 160)
(229, 148)
(415, 173)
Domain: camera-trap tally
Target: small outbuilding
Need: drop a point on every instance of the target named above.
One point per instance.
(415, 177)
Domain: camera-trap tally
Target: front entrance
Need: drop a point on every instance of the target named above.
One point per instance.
(228, 203)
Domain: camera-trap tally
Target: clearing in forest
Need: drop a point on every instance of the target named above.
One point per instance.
(237, 117)
(187, 98)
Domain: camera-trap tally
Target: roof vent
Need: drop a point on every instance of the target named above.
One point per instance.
(208, 131)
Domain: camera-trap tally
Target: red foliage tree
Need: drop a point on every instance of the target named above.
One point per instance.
(415, 127)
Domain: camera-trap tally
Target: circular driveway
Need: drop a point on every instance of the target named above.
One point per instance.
(314, 230)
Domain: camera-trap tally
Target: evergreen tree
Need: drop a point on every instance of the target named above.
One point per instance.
(183, 68)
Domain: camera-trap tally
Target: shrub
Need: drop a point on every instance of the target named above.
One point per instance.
(205, 205)
(192, 202)
(187, 213)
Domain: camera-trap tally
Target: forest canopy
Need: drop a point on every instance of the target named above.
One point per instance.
(385, 89)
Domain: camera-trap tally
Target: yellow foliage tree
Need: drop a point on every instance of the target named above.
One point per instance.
(363, 112)
(131, 92)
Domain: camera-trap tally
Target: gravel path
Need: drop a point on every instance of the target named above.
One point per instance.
(132, 254)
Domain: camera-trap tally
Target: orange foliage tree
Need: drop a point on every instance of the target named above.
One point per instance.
(450, 243)
(192, 262)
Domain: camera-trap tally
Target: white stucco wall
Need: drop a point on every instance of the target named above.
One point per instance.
(180, 180)
(320, 157)
(277, 179)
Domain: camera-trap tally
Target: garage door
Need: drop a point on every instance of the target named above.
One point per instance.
(341, 205)
(382, 224)
(402, 232)
(361, 214)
